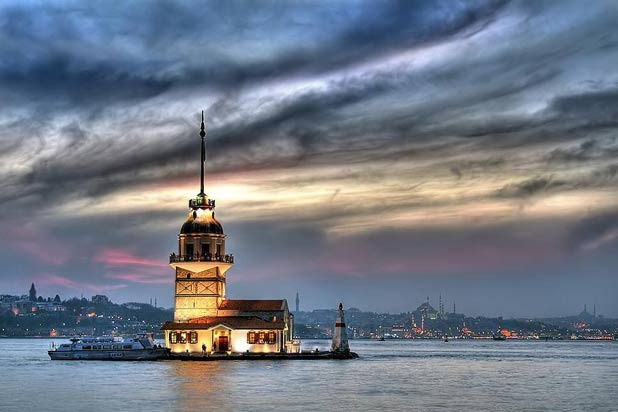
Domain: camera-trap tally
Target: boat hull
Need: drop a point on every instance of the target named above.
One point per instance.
(119, 355)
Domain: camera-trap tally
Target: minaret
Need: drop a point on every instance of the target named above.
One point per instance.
(340, 335)
(201, 262)
(297, 302)
(594, 310)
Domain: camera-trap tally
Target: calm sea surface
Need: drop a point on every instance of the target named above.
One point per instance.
(391, 375)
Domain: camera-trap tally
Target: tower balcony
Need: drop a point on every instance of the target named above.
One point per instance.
(174, 258)
(201, 203)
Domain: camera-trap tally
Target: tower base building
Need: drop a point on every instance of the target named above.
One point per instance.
(204, 320)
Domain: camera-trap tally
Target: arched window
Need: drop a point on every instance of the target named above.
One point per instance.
(251, 337)
(262, 337)
(193, 337)
(173, 337)
(183, 337)
(272, 337)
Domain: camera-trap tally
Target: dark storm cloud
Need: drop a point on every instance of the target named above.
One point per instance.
(593, 232)
(74, 53)
(93, 80)
(591, 109)
(530, 187)
(604, 177)
(580, 152)
(608, 173)
(456, 171)
(297, 117)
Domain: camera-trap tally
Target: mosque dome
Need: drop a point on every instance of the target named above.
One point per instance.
(201, 221)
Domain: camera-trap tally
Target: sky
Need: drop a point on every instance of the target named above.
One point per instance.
(369, 152)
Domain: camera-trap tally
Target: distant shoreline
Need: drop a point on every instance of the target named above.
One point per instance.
(370, 339)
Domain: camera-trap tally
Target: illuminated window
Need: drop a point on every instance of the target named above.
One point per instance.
(173, 337)
(272, 337)
(251, 337)
(193, 337)
(262, 337)
(183, 337)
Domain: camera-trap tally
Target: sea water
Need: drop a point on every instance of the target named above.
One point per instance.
(394, 375)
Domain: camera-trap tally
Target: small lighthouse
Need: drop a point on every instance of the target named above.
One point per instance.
(340, 336)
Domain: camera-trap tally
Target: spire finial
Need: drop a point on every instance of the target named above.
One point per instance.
(202, 134)
(202, 128)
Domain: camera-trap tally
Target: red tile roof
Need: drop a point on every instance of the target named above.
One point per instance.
(233, 322)
(253, 305)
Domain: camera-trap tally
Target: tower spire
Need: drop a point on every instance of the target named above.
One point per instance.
(202, 135)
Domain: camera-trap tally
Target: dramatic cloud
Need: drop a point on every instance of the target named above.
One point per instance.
(423, 143)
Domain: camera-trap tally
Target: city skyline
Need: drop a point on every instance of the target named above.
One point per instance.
(370, 155)
(443, 307)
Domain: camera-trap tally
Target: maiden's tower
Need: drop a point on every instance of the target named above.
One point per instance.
(205, 321)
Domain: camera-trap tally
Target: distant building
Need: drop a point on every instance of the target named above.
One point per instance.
(423, 313)
(7, 302)
(585, 316)
(204, 319)
(100, 299)
(7, 299)
(24, 307)
(32, 293)
(49, 307)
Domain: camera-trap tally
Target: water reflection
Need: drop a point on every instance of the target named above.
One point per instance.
(395, 375)
(200, 385)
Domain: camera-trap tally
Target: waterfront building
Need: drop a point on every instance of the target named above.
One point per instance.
(205, 321)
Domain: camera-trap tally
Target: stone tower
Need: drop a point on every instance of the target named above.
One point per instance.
(202, 262)
(32, 293)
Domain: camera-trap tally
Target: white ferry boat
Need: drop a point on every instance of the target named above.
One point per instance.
(141, 347)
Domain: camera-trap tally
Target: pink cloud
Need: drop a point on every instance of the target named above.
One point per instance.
(120, 257)
(127, 266)
(146, 278)
(56, 280)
